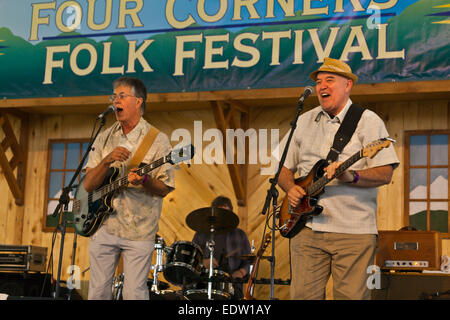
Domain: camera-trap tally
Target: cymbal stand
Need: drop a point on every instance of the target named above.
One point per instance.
(211, 244)
(159, 247)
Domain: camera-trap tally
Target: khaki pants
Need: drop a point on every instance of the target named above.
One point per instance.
(317, 255)
(104, 254)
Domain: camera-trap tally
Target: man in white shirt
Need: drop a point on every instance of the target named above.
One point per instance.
(341, 241)
(131, 229)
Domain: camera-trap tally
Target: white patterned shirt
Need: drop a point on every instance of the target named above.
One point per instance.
(137, 211)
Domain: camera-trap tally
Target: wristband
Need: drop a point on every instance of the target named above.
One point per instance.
(145, 179)
(355, 176)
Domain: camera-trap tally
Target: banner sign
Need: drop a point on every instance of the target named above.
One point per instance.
(78, 47)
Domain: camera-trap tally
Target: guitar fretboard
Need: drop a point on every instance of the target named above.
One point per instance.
(322, 181)
(123, 181)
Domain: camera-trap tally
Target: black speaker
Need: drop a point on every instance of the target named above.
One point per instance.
(25, 284)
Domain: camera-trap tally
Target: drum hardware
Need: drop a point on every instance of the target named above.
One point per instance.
(117, 287)
(212, 220)
(158, 267)
(211, 244)
(158, 288)
(277, 281)
(167, 295)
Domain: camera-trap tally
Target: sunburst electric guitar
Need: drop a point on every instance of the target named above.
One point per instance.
(91, 208)
(292, 220)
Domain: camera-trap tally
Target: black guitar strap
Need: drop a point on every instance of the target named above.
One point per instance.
(345, 131)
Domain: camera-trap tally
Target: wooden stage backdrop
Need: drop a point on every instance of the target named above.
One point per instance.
(198, 184)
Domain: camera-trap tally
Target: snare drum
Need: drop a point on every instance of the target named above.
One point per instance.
(183, 263)
(222, 288)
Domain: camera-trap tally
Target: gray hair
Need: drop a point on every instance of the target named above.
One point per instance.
(137, 87)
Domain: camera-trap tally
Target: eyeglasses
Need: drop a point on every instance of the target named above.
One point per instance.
(121, 96)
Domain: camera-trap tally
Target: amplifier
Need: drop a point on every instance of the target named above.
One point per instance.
(409, 250)
(23, 258)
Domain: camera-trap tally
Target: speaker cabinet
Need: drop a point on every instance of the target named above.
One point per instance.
(401, 285)
(25, 284)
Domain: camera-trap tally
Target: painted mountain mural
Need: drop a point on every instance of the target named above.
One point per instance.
(438, 218)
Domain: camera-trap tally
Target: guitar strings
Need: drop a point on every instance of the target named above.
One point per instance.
(322, 181)
(99, 193)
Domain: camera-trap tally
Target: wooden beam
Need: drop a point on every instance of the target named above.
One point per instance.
(23, 144)
(237, 171)
(422, 90)
(10, 178)
(18, 160)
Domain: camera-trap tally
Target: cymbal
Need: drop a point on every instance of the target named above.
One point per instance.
(203, 219)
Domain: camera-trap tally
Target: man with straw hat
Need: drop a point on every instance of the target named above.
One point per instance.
(340, 241)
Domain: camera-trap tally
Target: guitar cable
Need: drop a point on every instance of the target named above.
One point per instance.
(50, 263)
(277, 211)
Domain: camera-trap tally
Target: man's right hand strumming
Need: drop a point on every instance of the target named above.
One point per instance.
(95, 176)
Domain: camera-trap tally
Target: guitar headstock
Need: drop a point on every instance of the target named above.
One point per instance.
(266, 242)
(181, 154)
(372, 148)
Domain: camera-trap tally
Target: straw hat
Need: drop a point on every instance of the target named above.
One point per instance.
(335, 66)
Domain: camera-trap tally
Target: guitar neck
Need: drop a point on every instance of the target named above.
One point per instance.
(251, 285)
(123, 181)
(322, 181)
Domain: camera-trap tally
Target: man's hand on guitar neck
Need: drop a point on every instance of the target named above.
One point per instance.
(154, 186)
(346, 176)
(136, 179)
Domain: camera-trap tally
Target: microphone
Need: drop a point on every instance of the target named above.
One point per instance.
(110, 109)
(308, 91)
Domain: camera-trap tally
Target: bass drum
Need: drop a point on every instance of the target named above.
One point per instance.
(167, 295)
(222, 288)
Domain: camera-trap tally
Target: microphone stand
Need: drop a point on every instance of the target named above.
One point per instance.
(62, 207)
(272, 196)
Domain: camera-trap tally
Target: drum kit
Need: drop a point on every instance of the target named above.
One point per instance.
(183, 265)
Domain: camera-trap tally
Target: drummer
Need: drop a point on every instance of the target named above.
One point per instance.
(228, 247)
